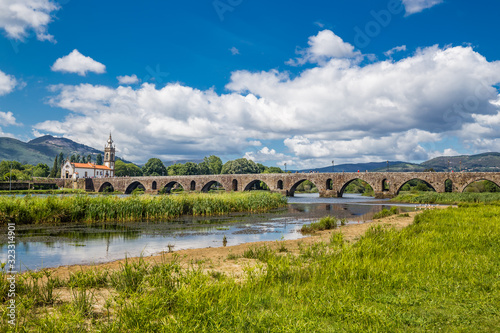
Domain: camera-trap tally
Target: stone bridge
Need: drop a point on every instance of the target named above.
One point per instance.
(328, 184)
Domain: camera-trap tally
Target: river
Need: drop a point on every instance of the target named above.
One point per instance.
(68, 244)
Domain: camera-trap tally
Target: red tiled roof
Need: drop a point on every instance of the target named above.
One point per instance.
(90, 166)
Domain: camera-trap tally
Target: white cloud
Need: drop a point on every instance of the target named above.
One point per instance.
(18, 17)
(322, 47)
(75, 62)
(416, 6)
(342, 110)
(7, 83)
(234, 51)
(7, 118)
(126, 79)
(394, 50)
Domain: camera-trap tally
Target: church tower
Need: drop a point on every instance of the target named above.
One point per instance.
(109, 154)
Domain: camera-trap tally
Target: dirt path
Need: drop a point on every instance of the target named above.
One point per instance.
(216, 259)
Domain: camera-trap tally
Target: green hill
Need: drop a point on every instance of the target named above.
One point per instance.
(42, 150)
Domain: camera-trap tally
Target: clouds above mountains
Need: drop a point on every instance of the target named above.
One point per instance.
(19, 17)
(339, 108)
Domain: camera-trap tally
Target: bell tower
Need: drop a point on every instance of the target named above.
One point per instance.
(109, 154)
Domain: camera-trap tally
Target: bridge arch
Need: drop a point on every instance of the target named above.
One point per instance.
(234, 184)
(256, 185)
(106, 187)
(192, 186)
(294, 187)
(208, 185)
(329, 184)
(279, 185)
(419, 179)
(169, 186)
(478, 179)
(344, 187)
(154, 185)
(134, 185)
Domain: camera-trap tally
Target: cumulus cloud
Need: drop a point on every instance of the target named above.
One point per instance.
(340, 110)
(7, 83)
(18, 17)
(416, 6)
(7, 118)
(126, 79)
(75, 62)
(322, 47)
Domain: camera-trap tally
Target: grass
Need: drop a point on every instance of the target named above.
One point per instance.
(325, 223)
(51, 209)
(386, 212)
(442, 273)
(27, 192)
(446, 198)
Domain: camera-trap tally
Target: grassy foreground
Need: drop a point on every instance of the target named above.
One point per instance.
(440, 274)
(446, 198)
(51, 209)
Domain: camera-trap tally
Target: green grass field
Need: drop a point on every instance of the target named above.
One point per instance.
(441, 273)
(446, 198)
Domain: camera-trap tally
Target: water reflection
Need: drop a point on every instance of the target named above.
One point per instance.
(69, 244)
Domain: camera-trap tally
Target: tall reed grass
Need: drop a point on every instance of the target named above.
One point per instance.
(82, 208)
(446, 198)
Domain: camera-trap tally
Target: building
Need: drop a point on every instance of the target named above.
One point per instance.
(91, 170)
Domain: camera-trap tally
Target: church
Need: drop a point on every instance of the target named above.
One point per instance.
(91, 170)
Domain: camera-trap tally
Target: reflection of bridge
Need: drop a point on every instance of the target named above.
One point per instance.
(328, 184)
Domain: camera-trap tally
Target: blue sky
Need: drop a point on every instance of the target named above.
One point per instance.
(280, 82)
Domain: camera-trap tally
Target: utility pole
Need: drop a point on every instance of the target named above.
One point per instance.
(285, 167)
(387, 166)
(333, 166)
(10, 177)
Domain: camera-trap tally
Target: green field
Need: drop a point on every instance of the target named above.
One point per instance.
(446, 198)
(441, 273)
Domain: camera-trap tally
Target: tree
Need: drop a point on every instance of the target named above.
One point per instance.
(98, 159)
(190, 168)
(61, 159)
(214, 164)
(261, 167)
(72, 159)
(175, 169)
(41, 170)
(154, 165)
(78, 158)
(273, 170)
(203, 168)
(123, 169)
(240, 166)
(55, 168)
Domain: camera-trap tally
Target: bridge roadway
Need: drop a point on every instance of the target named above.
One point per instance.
(328, 184)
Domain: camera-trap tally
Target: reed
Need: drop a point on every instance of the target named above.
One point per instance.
(82, 208)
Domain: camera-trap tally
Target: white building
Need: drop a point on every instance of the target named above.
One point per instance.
(91, 170)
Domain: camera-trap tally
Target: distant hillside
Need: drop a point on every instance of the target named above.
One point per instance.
(353, 167)
(485, 162)
(42, 150)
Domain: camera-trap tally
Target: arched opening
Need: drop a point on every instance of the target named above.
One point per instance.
(192, 187)
(257, 185)
(67, 174)
(385, 185)
(356, 186)
(235, 185)
(153, 186)
(303, 186)
(213, 187)
(280, 185)
(134, 188)
(329, 184)
(106, 188)
(481, 186)
(448, 185)
(172, 187)
(416, 185)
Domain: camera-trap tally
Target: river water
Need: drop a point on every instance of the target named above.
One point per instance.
(68, 244)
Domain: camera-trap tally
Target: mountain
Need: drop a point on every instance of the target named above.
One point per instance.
(353, 167)
(43, 149)
(485, 162)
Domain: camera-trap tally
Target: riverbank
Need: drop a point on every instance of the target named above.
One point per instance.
(450, 198)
